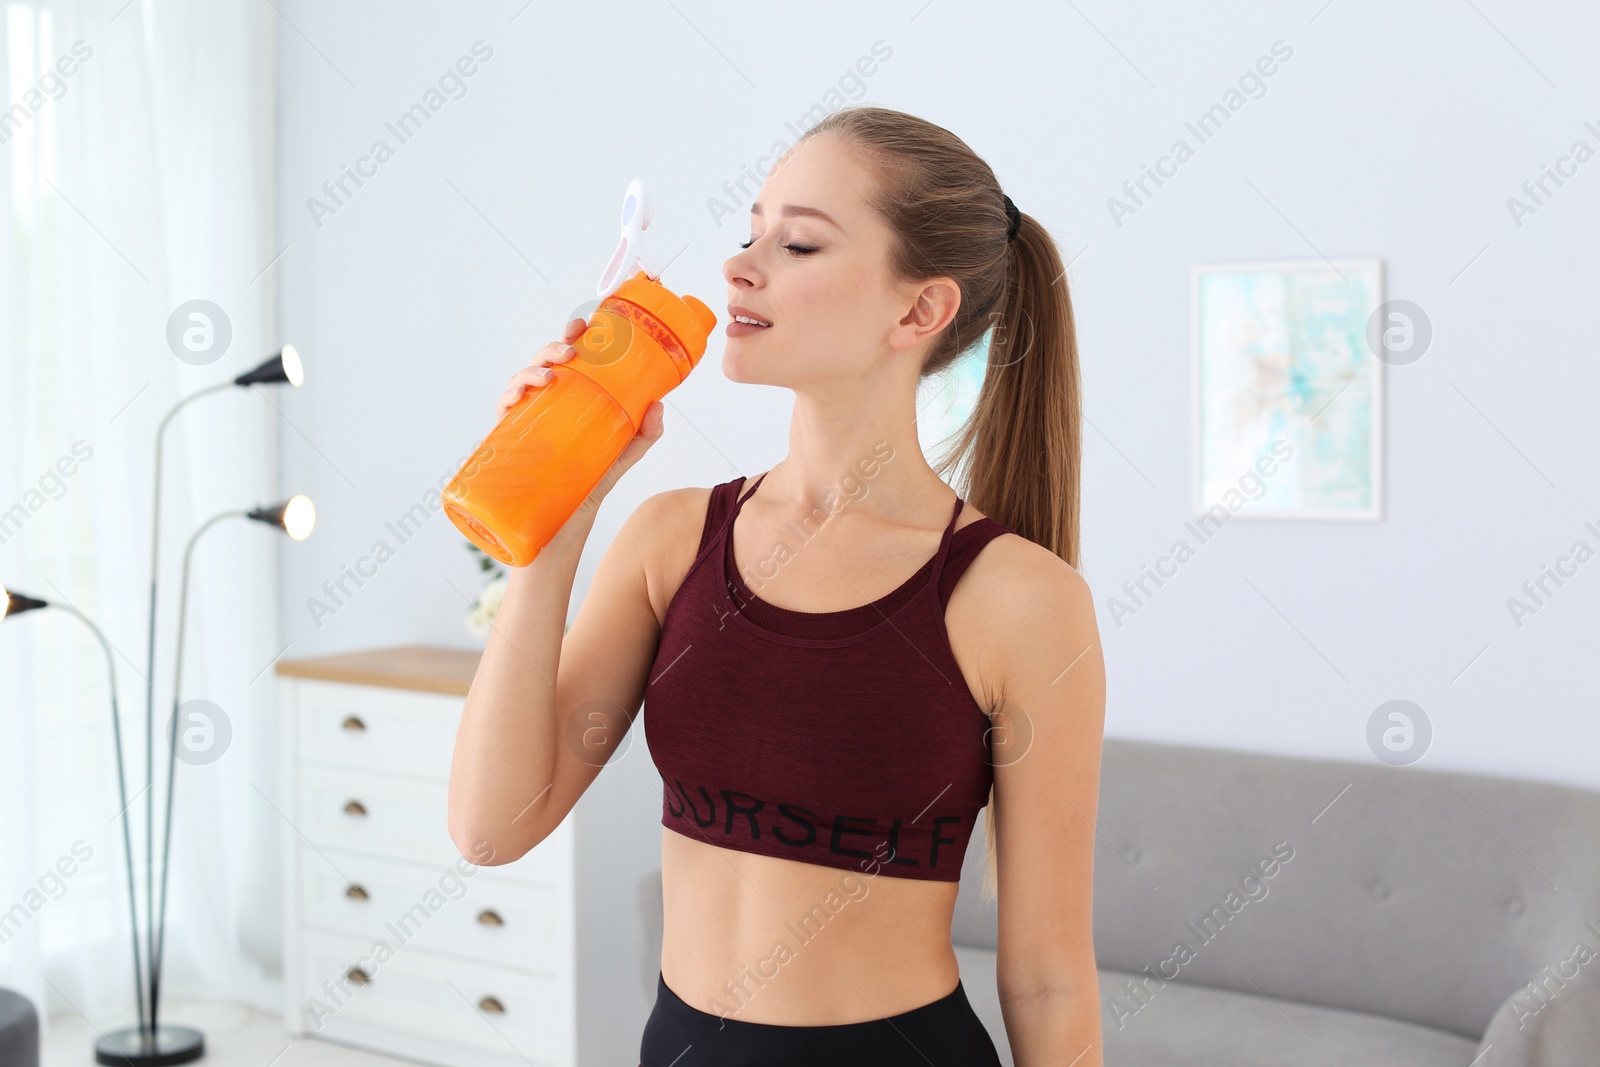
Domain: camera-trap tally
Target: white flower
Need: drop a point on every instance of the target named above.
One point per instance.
(481, 617)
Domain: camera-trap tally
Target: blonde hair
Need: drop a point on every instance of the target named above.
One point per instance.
(1018, 456)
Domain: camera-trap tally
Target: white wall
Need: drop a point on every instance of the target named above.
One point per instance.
(1397, 132)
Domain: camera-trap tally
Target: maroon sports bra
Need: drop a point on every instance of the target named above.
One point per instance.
(843, 738)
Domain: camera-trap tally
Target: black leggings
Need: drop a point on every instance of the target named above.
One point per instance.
(945, 1032)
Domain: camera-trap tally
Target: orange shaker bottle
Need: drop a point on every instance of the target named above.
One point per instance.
(549, 451)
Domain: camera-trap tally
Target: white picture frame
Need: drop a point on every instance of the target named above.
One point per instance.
(1336, 467)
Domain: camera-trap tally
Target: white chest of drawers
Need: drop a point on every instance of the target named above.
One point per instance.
(392, 941)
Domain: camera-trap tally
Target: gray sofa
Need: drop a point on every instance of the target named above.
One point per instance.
(19, 1030)
(1255, 910)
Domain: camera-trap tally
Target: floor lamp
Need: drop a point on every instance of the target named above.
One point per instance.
(147, 1045)
(295, 517)
(15, 604)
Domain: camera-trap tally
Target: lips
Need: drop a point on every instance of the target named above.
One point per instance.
(738, 312)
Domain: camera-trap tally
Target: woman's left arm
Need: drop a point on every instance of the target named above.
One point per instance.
(1049, 674)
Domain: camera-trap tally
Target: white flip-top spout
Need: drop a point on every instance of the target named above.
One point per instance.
(631, 256)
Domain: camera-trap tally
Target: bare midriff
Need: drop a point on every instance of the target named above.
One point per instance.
(769, 940)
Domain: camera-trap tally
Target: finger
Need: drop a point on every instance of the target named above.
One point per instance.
(508, 398)
(574, 329)
(530, 376)
(515, 394)
(550, 353)
(554, 352)
(654, 422)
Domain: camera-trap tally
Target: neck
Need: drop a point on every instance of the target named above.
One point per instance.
(862, 448)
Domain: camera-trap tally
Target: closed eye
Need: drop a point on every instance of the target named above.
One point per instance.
(799, 250)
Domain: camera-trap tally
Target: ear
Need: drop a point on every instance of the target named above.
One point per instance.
(933, 305)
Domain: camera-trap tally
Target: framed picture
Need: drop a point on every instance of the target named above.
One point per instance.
(1288, 392)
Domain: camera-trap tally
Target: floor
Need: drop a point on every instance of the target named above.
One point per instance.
(236, 1036)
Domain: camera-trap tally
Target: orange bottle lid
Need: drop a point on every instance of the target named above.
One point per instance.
(690, 320)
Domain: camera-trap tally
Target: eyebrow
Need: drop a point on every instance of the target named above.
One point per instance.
(795, 209)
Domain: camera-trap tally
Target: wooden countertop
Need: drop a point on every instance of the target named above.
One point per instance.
(424, 668)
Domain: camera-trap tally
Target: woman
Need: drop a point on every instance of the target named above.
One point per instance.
(826, 728)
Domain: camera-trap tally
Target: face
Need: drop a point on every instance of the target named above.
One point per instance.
(817, 268)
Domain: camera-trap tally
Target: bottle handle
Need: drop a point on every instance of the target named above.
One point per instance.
(630, 255)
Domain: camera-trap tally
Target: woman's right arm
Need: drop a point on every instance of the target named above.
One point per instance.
(546, 710)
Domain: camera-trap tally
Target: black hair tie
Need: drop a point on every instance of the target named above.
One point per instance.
(1016, 220)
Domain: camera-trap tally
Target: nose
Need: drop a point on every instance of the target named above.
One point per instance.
(739, 269)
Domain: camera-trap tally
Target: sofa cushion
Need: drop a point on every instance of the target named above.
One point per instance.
(1186, 1025)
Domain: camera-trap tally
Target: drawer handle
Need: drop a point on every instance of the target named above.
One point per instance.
(358, 976)
(353, 722)
(490, 1004)
(355, 892)
(490, 917)
(355, 807)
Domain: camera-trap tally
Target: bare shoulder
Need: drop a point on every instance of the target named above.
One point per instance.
(1010, 565)
(665, 533)
(672, 511)
(1018, 602)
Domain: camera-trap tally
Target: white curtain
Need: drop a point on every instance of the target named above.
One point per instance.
(136, 173)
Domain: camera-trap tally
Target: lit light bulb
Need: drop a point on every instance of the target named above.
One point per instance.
(299, 517)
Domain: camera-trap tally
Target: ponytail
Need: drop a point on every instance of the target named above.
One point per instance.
(1022, 446)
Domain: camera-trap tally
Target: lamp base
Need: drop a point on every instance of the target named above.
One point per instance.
(133, 1048)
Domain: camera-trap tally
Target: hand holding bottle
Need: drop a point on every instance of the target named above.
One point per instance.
(538, 373)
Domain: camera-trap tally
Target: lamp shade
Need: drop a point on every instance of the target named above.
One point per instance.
(17, 603)
(296, 516)
(285, 367)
